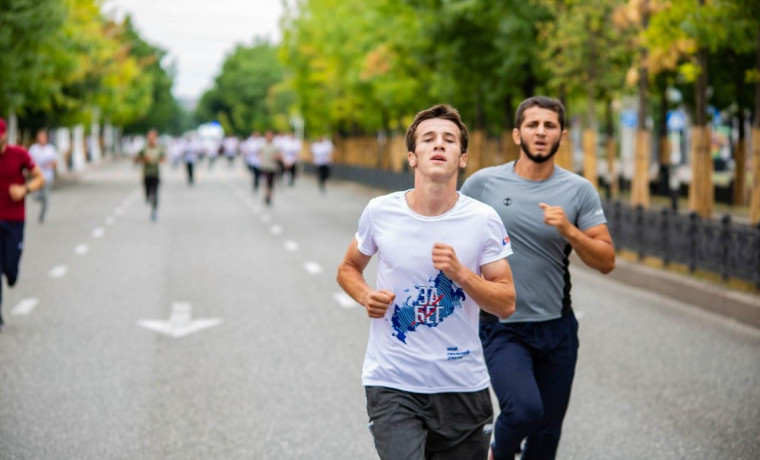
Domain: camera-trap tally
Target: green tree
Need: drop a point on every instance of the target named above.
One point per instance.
(239, 96)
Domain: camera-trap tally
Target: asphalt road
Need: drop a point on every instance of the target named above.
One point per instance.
(89, 368)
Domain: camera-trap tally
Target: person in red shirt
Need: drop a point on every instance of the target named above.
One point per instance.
(15, 165)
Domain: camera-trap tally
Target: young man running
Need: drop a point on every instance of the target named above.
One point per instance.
(442, 257)
(46, 157)
(549, 212)
(151, 157)
(15, 164)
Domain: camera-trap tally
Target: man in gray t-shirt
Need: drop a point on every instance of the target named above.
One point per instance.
(548, 212)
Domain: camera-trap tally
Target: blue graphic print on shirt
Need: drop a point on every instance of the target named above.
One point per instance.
(428, 305)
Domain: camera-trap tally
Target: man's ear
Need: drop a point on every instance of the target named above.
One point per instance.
(516, 136)
(412, 158)
(463, 160)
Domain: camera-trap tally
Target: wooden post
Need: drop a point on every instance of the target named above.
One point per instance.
(701, 192)
(754, 201)
(589, 156)
(640, 186)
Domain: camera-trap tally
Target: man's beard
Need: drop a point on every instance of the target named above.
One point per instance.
(536, 158)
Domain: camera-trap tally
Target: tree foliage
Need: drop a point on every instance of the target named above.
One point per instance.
(242, 95)
(64, 61)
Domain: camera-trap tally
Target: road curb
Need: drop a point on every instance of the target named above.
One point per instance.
(740, 306)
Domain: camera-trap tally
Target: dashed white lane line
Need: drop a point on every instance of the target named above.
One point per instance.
(25, 306)
(98, 232)
(59, 271)
(312, 268)
(275, 230)
(345, 300)
(81, 249)
(110, 220)
(291, 246)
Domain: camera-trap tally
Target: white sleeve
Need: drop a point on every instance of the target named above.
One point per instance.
(364, 235)
(496, 244)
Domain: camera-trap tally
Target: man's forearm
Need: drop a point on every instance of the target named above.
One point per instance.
(353, 283)
(35, 183)
(495, 297)
(597, 254)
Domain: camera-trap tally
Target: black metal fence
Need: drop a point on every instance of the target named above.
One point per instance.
(718, 246)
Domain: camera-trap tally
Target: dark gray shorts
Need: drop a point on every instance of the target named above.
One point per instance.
(441, 426)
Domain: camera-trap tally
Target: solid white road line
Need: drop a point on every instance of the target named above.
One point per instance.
(345, 300)
(81, 249)
(59, 271)
(312, 268)
(25, 306)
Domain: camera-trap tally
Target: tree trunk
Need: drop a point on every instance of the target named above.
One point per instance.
(611, 150)
(589, 156)
(701, 193)
(640, 185)
(564, 157)
(740, 159)
(510, 150)
(663, 144)
(754, 203)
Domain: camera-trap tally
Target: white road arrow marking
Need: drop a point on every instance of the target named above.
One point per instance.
(59, 271)
(25, 306)
(180, 322)
(275, 229)
(98, 232)
(345, 300)
(291, 245)
(312, 268)
(81, 249)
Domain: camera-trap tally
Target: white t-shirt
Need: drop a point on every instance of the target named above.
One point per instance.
(322, 152)
(44, 156)
(251, 148)
(290, 147)
(230, 146)
(428, 340)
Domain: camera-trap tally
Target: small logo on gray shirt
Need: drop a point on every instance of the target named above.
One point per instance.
(507, 201)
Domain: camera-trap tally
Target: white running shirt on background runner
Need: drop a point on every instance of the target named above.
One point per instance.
(428, 340)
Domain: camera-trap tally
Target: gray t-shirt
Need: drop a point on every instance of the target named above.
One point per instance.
(540, 260)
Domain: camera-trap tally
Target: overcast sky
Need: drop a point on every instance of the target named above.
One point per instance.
(198, 34)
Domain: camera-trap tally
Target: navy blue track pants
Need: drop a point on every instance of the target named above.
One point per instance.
(532, 366)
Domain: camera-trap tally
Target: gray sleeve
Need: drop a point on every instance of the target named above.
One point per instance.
(590, 212)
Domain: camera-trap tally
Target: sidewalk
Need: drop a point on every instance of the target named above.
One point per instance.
(740, 306)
